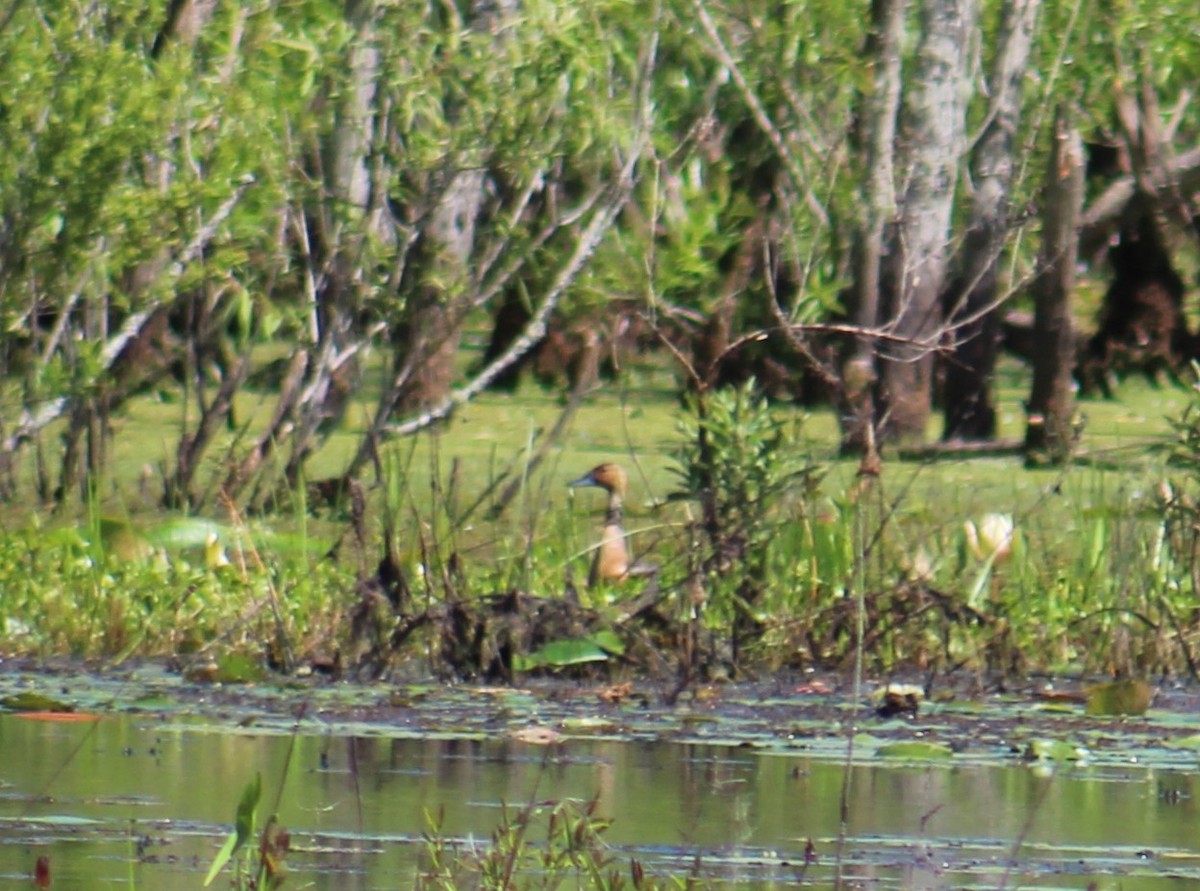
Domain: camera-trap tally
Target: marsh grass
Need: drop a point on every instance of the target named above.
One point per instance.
(1103, 576)
(542, 845)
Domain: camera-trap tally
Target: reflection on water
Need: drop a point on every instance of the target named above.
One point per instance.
(134, 803)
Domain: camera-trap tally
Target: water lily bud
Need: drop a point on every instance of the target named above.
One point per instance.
(992, 538)
(214, 554)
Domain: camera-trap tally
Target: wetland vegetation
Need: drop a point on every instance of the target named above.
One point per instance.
(1099, 576)
(276, 291)
(306, 329)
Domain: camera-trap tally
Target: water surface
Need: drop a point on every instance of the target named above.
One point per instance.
(144, 801)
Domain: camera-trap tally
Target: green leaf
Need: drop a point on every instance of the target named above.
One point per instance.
(560, 653)
(223, 857)
(35, 702)
(243, 827)
(609, 641)
(1127, 697)
(915, 750)
(1054, 750)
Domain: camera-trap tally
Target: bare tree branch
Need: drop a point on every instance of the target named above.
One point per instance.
(535, 330)
(610, 200)
(1099, 221)
(799, 178)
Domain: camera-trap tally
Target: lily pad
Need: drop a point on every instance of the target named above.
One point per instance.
(230, 668)
(35, 702)
(1125, 697)
(589, 725)
(561, 653)
(915, 750)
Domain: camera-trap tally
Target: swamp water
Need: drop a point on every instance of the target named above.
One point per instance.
(144, 796)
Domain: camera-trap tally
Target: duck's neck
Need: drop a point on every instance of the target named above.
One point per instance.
(615, 509)
(612, 556)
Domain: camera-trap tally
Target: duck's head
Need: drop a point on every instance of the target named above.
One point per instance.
(605, 476)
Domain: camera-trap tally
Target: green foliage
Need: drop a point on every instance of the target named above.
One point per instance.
(741, 463)
(262, 865)
(105, 589)
(540, 846)
(243, 829)
(598, 647)
(1185, 428)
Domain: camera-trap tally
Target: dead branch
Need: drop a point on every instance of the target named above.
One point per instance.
(1180, 176)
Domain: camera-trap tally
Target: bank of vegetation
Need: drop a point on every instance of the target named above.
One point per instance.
(257, 262)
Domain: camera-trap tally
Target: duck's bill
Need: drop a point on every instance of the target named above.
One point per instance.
(586, 480)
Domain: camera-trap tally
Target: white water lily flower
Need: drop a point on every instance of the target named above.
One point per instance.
(992, 538)
(919, 566)
(214, 555)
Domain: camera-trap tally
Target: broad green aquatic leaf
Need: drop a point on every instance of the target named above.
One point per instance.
(1054, 750)
(243, 827)
(153, 702)
(915, 750)
(1125, 697)
(560, 653)
(609, 641)
(124, 542)
(35, 702)
(183, 532)
(228, 668)
(1058, 708)
(588, 725)
(238, 668)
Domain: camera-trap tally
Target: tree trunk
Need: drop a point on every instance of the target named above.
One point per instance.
(857, 408)
(932, 130)
(974, 316)
(334, 234)
(1048, 434)
(428, 336)
(434, 314)
(185, 20)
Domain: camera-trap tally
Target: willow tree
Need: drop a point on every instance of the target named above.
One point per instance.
(511, 139)
(119, 177)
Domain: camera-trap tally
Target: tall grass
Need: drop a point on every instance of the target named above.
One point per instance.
(764, 540)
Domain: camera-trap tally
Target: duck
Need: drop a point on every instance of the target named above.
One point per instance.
(612, 562)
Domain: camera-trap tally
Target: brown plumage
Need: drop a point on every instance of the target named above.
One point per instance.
(611, 562)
